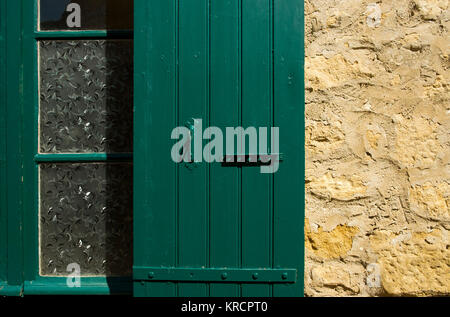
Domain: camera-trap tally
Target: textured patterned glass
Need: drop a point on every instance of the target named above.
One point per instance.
(86, 96)
(86, 218)
(93, 15)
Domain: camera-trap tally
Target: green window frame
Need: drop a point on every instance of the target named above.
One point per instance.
(11, 260)
(3, 226)
(19, 157)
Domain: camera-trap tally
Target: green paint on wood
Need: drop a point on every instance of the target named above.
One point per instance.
(230, 63)
(83, 157)
(289, 96)
(156, 180)
(224, 205)
(14, 91)
(3, 183)
(251, 276)
(88, 286)
(119, 34)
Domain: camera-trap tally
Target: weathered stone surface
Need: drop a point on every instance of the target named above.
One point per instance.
(413, 264)
(341, 278)
(330, 245)
(324, 140)
(337, 187)
(431, 200)
(417, 143)
(323, 73)
(431, 9)
(377, 147)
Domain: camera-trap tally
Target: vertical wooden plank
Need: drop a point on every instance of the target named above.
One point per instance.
(289, 116)
(3, 187)
(224, 74)
(154, 171)
(193, 221)
(29, 149)
(225, 91)
(256, 112)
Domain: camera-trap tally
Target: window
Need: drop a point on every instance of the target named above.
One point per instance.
(79, 102)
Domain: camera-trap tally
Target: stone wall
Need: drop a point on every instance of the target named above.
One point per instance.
(377, 147)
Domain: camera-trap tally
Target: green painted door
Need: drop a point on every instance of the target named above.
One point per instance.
(213, 229)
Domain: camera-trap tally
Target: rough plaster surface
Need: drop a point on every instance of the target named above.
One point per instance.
(377, 147)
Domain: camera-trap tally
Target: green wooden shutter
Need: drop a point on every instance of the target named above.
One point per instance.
(207, 229)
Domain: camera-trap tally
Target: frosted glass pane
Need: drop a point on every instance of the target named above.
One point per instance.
(86, 96)
(86, 218)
